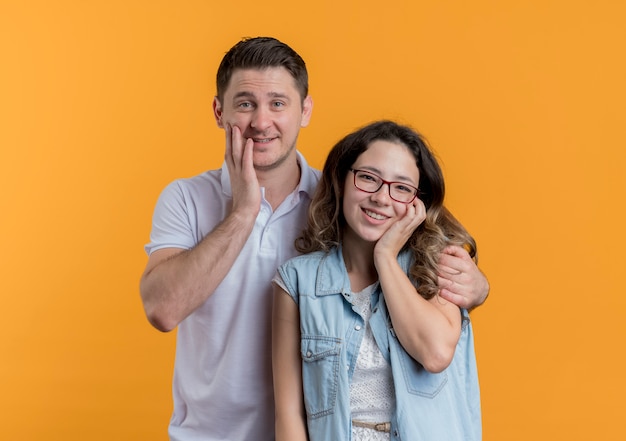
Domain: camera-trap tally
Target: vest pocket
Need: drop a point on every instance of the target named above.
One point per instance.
(320, 373)
(418, 380)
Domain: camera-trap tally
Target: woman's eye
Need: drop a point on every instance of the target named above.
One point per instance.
(404, 189)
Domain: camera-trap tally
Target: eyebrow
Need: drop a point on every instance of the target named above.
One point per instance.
(247, 94)
(377, 171)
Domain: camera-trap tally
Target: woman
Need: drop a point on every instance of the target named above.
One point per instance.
(363, 346)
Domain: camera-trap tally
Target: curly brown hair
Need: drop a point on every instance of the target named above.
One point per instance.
(440, 228)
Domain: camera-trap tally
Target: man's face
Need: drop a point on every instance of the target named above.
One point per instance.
(267, 107)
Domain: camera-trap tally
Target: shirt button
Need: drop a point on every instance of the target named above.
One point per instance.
(357, 327)
(308, 354)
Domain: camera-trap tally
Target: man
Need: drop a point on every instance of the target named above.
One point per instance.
(218, 238)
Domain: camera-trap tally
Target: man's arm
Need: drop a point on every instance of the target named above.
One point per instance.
(176, 281)
(460, 280)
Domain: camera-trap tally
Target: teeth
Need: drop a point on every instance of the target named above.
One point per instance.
(262, 140)
(375, 215)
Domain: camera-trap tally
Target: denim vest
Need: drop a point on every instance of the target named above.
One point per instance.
(430, 407)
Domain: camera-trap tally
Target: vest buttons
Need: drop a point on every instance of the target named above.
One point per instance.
(357, 327)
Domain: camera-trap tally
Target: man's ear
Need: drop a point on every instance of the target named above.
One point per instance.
(307, 108)
(217, 112)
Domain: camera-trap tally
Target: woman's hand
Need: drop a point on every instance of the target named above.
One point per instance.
(392, 241)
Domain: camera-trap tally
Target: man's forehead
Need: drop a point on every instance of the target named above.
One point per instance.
(270, 80)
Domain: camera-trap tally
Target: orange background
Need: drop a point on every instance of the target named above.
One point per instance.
(102, 103)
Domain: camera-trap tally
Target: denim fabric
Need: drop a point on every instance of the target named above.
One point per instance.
(432, 407)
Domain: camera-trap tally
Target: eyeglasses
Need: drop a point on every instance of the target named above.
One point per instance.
(370, 183)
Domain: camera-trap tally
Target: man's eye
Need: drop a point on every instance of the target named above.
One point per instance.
(279, 104)
(245, 105)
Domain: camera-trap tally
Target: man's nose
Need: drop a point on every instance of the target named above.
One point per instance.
(261, 119)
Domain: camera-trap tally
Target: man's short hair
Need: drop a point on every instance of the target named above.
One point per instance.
(261, 53)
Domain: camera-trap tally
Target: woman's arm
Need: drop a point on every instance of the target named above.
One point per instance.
(428, 330)
(287, 369)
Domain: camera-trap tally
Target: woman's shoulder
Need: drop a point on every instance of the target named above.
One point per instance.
(306, 259)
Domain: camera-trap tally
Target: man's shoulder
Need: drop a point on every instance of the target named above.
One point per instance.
(200, 179)
(201, 183)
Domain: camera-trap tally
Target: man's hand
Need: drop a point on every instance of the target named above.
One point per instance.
(178, 281)
(243, 180)
(460, 280)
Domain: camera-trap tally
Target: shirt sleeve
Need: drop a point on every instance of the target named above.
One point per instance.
(171, 225)
(278, 280)
(288, 279)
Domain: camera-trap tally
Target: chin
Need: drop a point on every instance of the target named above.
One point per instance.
(264, 166)
(370, 238)
(266, 162)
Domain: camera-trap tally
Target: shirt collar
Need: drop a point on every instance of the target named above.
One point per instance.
(309, 177)
(332, 277)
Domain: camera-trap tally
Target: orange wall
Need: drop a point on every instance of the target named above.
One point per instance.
(104, 102)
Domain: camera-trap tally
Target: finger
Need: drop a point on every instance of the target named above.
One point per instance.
(411, 212)
(453, 273)
(452, 288)
(237, 145)
(248, 155)
(456, 251)
(420, 209)
(228, 153)
(412, 219)
(454, 259)
(449, 272)
(452, 297)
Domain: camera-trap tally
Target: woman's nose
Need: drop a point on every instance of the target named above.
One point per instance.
(382, 195)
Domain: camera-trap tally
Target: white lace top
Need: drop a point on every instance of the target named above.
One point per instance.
(372, 395)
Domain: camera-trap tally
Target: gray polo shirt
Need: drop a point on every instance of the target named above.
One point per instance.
(222, 376)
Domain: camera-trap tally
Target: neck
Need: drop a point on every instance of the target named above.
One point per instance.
(279, 182)
(358, 257)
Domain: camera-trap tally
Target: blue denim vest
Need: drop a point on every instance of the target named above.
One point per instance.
(431, 407)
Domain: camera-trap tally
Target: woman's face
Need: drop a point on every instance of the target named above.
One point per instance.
(369, 215)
